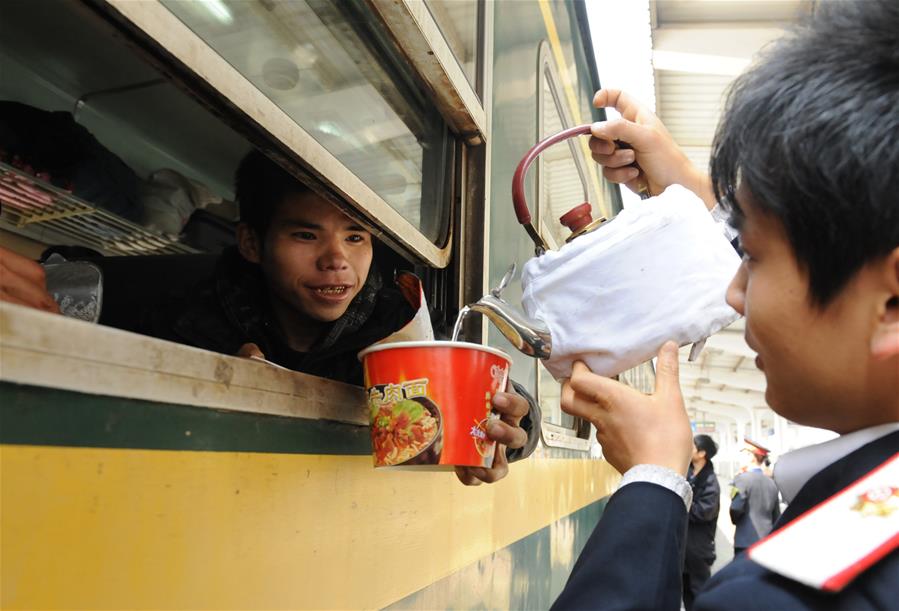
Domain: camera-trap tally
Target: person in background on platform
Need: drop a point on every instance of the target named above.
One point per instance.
(805, 162)
(755, 503)
(703, 519)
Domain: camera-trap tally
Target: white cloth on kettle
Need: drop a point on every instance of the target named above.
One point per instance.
(658, 271)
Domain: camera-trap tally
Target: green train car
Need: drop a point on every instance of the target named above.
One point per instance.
(139, 473)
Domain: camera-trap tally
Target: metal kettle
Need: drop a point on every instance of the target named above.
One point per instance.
(529, 335)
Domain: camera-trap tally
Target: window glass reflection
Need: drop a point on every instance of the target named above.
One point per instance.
(562, 186)
(318, 61)
(551, 400)
(562, 182)
(458, 22)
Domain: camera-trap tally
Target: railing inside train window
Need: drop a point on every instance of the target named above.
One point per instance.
(37, 209)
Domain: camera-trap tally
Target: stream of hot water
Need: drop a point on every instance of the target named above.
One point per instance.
(457, 328)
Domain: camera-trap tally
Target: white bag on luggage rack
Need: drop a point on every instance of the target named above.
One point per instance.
(658, 271)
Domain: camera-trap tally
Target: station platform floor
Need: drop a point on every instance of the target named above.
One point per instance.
(724, 533)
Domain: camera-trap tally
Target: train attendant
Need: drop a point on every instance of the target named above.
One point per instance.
(805, 160)
(755, 502)
(703, 518)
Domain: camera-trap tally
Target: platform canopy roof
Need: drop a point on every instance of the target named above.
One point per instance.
(698, 48)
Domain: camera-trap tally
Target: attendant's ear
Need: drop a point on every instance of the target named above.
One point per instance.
(249, 243)
(885, 341)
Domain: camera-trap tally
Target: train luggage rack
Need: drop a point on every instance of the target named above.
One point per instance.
(36, 209)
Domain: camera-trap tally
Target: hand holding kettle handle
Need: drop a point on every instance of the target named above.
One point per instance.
(518, 197)
(577, 217)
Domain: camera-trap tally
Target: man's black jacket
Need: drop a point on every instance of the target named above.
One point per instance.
(231, 309)
(703, 517)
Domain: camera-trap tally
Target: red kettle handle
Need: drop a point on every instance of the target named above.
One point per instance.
(518, 198)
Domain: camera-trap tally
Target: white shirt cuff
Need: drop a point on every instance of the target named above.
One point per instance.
(663, 476)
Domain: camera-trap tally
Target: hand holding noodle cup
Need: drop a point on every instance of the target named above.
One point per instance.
(430, 402)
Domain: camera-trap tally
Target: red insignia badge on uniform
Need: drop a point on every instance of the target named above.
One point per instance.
(834, 542)
(881, 501)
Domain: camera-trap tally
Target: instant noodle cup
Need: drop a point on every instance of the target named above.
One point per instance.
(430, 402)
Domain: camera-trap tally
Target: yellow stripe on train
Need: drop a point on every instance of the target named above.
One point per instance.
(113, 528)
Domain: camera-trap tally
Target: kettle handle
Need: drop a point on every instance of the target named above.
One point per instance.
(518, 197)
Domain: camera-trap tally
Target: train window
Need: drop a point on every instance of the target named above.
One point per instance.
(103, 146)
(320, 64)
(562, 180)
(88, 126)
(561, 184)
(642, 377)
(459, 22)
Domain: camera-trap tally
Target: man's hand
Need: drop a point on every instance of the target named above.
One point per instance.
(24, 282)
(662, 163)
(634, 428)
(506, 432)
(250, 351)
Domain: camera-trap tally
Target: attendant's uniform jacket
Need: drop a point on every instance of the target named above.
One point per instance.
(632, 560)
(754, 508)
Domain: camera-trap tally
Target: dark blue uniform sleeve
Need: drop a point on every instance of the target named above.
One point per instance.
(738, 506)
(739, 501)
(775, 512)
(634, 558)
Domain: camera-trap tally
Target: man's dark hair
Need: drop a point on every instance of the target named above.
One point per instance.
(813, 133)
(260, 185)
(707, 445)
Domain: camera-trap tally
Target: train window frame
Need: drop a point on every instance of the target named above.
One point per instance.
(419, 38)
(48, 350)
(549, 75)
(130, 365)
(203, 69)
(641, 377)
(577, 436)
(448, 30)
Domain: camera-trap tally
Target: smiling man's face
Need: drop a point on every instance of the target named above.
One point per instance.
(315, 258)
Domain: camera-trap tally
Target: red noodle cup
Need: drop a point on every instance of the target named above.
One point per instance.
(430, 402)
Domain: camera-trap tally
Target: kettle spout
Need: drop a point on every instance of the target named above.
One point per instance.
(530, 336)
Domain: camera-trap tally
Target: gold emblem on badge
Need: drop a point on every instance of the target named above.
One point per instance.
(881, 501)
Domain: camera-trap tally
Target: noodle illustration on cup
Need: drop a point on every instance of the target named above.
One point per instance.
(402, 430)
(430, 402)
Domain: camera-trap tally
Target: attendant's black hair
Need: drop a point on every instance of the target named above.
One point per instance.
(260, 185)
(707, 445)
(812, 131)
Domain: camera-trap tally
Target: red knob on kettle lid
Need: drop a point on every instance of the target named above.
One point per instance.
(577, 218)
